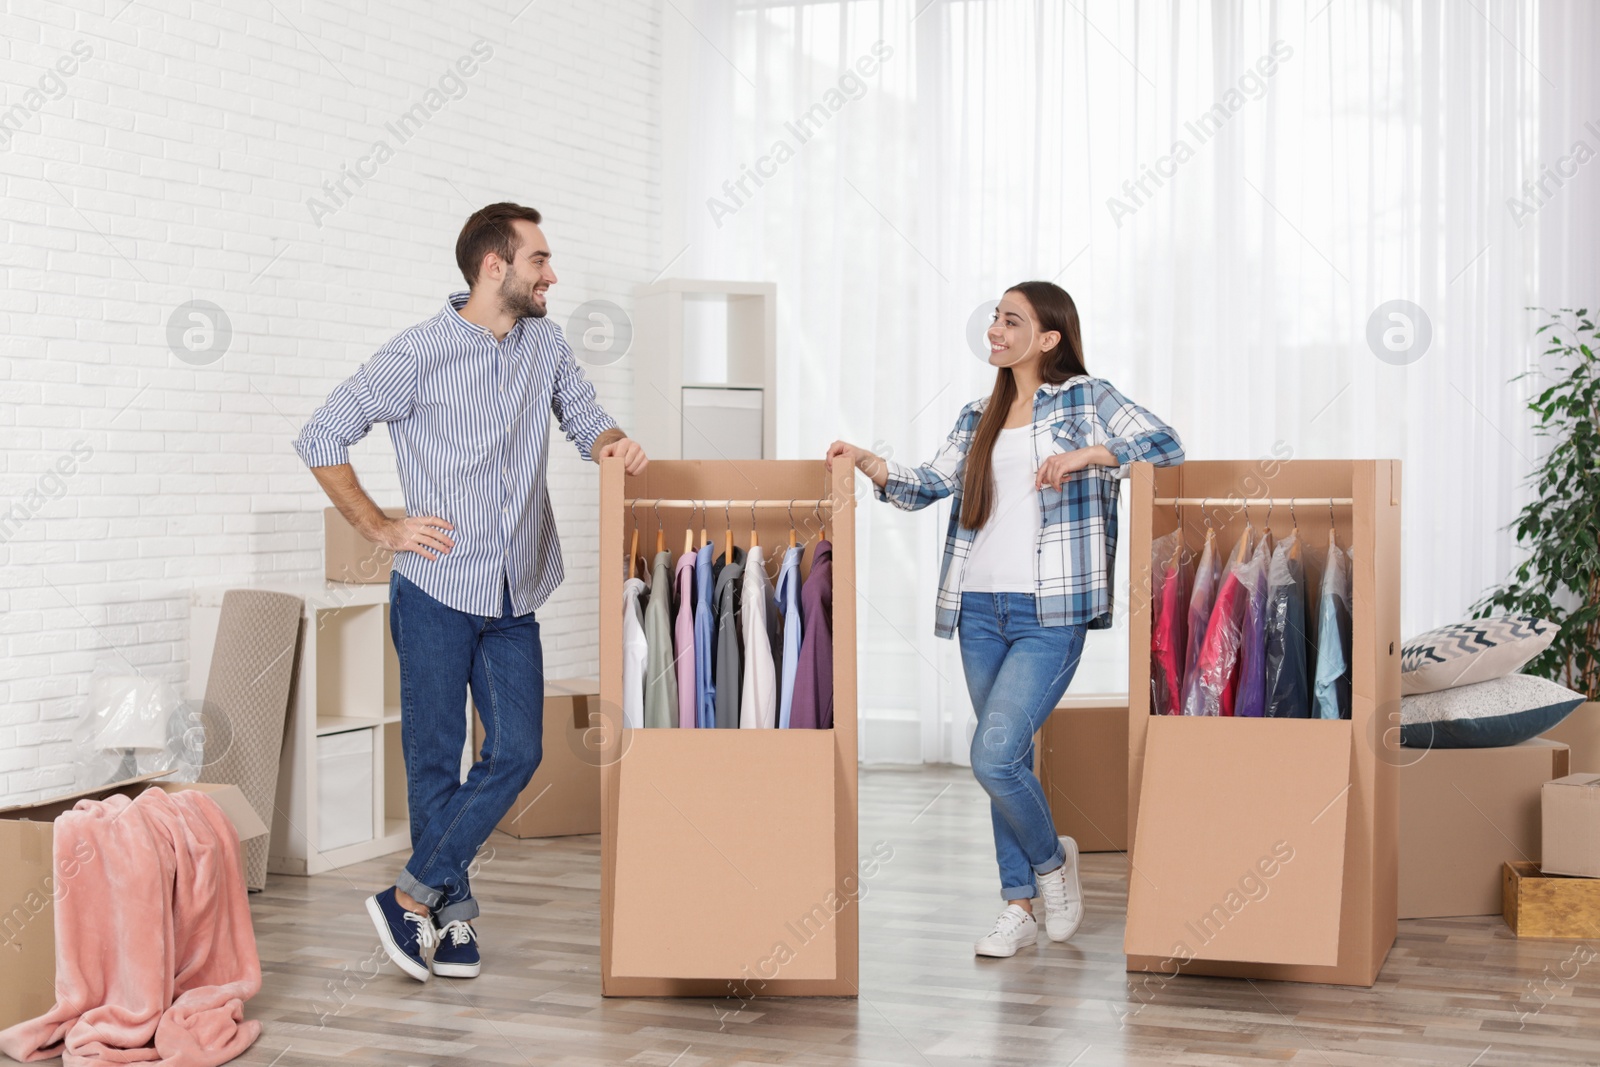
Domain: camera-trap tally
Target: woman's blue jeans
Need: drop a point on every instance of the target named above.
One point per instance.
(1016, 673)
(442, 653)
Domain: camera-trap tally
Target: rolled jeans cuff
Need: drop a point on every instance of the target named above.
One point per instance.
(1031, 890)
(427, 896)
(461, 910)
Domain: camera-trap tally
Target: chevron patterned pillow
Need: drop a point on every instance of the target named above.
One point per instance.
(1476, 651)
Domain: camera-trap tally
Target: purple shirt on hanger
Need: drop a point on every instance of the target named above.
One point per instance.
(813, 680)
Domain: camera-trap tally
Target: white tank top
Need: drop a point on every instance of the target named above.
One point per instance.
(1002, 555)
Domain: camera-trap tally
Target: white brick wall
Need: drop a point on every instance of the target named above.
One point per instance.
(175, 163)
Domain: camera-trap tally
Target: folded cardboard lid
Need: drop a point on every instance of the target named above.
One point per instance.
(571, 687)
(1241, 840)
(228, 798)
(1581, 781)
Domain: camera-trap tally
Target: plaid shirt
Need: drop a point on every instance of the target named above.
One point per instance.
(1077, 543)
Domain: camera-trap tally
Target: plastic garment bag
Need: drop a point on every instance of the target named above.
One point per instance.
(1207, 576)
(1217, 672)
(1287, 686)
(1169, 577)
(1252, 685)
(1332, 688)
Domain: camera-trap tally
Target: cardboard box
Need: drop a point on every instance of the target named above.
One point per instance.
(27, 875)
(1570, 809)
(1464, 813)
(1538, 905)
(564, 796)
(1267, 848)
(1082, 760)
(349, 557)
(1580, 732)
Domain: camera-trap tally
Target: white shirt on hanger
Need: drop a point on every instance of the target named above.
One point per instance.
(1002, 555)
(635, 654)
(758, 698)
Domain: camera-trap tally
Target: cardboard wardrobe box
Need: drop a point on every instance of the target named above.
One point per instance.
(1267, 848)
(349, 557)
(1464, 813)
(1081, 756)
(564, 796)
(1580, 732)
(1550, 905)
(1570, 810)
(27, 877)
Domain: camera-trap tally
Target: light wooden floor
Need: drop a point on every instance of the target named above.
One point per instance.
(1454, 991)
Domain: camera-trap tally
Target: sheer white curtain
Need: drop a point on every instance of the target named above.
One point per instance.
(1229, 191)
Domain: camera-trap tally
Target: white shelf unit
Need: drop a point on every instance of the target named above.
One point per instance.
(348, 678)
(701, 342)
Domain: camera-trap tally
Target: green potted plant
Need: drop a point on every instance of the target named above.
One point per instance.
(1560, 528)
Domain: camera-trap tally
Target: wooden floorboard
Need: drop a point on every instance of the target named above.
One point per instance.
(1454, 991)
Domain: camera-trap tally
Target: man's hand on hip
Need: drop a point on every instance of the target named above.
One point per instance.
(423, 534)
(634, 461)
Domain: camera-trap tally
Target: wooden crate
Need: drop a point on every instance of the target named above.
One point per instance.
(1549, 905)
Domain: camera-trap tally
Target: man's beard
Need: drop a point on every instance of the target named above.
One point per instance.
(517, 301)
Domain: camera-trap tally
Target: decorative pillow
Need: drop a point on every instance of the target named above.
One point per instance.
(1505, 711)
(1474, 651)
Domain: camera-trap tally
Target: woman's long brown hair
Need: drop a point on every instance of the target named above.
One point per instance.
(1055, 311)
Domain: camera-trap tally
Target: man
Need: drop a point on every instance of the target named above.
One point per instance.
(468, 396)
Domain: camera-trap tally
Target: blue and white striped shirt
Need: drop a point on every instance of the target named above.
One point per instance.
(470, 420)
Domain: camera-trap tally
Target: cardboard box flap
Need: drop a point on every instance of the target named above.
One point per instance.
(1579, 780)
(1239, 853)
(47, 809)
(228, 798)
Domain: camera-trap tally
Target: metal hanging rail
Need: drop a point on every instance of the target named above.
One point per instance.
(698, 503)
(1265, 501)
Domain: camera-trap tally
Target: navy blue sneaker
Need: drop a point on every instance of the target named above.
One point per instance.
(457, 954)
(405, 935)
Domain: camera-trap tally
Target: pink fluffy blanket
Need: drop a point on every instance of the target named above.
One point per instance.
(155, 954)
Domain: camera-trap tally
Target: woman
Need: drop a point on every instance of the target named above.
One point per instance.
(1033, 470)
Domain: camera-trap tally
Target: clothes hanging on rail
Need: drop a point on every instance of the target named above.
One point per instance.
(729, 667)
(1168, 624)
(1287, 687)
(813, 683)
(683, 659)
(1207, 578)
(758, 699)
(661, 682)
(1251, 700)
(1332, 687)
(1219, 656)
(635, 653)
(789, 608)
(705, 680)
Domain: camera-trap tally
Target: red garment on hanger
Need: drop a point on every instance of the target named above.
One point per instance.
(1219, 656)
(1169, 636)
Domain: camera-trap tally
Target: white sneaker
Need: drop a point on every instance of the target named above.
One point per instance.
(1012, 930)
(1063, 895)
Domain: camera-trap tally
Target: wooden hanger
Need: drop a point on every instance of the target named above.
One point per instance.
(727, 536)
(661, 533)
(754, 537)
(688, 533)
(705, 520)
(633, 548)
(791, 522)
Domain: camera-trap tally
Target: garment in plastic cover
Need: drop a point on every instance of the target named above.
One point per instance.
(1332, 686)
(132, 726)
(1251, 701)
(1207, 576)
(1217, 672)
(1288, 687)
(1169, 624)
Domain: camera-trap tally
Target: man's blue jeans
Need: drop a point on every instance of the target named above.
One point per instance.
(1016, 673)
(442, 652)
